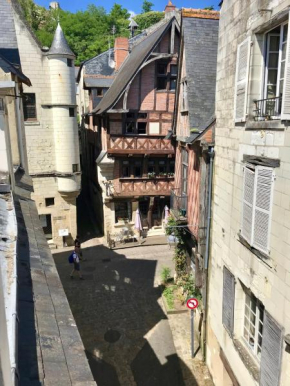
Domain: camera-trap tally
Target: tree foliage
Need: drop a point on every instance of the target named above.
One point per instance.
(145, 20)
(147, 6)
(210, 8)
(88, 32)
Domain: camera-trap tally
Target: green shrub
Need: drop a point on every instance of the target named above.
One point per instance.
(165, 275)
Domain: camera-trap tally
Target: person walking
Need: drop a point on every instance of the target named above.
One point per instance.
(78, 244)
(76, 263)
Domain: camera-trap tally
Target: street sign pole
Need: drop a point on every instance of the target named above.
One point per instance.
(192, 332)
(192, 304)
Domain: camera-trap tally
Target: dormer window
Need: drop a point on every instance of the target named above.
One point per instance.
(69, 62)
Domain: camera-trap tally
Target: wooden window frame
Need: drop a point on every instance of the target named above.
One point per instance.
(26, 106)
(258, 314)
(129, 210)
(135, 120)
(173, 77)
(163, 76)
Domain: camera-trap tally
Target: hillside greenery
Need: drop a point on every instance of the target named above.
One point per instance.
(88, 32)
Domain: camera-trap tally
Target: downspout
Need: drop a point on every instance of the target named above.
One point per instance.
(211, 154)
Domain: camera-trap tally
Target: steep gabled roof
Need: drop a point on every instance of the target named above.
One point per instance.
(6, 66)
(8, 40)
(130, 67)
(60, 45)
(200, 39)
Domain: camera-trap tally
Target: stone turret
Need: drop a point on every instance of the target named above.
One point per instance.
(63, 102)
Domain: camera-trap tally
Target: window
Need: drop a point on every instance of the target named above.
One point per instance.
(253, 323)
(257, 204)
(171, 166)
(69, 62)
(161, 76)
(45, 220)
(99, 92)
(1, 105)
(75, 168)
(162, 167)
(141, 127)
(49, 201)
(184, 102)
(125, 169)
(123, 211)
(29, 107)
(138, 169)
(184, 155)
(136, 123)
(71, 112)
(151, 166)
(275, 57)
(173, 76)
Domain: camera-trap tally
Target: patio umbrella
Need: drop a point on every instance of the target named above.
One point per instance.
(166, 215)
(138, 223)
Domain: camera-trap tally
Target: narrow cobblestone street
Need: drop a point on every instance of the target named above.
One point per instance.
(119, 314)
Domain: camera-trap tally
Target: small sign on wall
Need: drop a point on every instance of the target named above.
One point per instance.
(63, 232)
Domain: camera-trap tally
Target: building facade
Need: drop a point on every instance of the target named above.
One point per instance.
(194, 135)
(50, 128)
(248, 308)
(136, 165)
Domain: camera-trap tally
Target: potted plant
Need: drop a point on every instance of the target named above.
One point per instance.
(151, 175)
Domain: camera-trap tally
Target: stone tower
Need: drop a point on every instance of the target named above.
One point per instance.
(63, 105)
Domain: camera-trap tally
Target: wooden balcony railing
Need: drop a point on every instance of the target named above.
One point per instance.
(144, 186)
(139, 145)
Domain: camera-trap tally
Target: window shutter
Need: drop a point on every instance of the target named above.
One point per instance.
(262, 208)
(285, 111)
(228, 300)
(248, 201)
(241, 86)
(271, 357)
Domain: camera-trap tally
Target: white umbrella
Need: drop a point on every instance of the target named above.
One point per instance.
(138, 224)
(166, 215)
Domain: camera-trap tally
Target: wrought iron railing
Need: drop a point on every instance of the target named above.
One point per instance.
(268, 109)
(178, 203)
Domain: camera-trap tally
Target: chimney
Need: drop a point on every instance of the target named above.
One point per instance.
(121, 51)
(169, 7)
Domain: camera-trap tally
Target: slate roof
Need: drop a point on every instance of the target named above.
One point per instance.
(200, 35)
(8, 67)
(98, 82)
(8, 40)
(60, 45)
(137, 57)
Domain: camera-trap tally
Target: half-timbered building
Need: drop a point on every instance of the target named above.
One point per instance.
(136, 161)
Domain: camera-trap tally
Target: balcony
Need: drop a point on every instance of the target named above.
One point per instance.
(267, 109)
(160, 186)
(178, 204)
(139, 145)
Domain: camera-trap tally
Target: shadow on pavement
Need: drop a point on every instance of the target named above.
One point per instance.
(125, 332)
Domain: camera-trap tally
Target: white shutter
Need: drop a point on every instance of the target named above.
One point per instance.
(228, 300)
(248, 202)
(262, 208)
(242, 74)
(271, 357)
(285, 111)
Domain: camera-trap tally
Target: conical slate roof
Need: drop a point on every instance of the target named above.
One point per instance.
(59, 45)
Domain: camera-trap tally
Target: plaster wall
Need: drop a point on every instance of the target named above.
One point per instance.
(268, 280)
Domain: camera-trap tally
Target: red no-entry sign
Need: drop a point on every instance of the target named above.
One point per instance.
(192, 303)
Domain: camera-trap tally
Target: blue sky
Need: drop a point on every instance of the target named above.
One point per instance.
(135, 6)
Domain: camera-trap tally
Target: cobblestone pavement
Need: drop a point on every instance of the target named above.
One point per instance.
(119, 313)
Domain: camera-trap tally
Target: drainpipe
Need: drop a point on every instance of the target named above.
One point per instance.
(208, 228)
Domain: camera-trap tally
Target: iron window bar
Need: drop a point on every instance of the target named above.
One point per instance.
(268, 109)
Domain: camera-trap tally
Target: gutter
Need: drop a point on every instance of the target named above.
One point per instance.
(211, 154)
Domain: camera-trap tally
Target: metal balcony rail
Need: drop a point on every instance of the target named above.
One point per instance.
(178, 203)
(268, 109)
